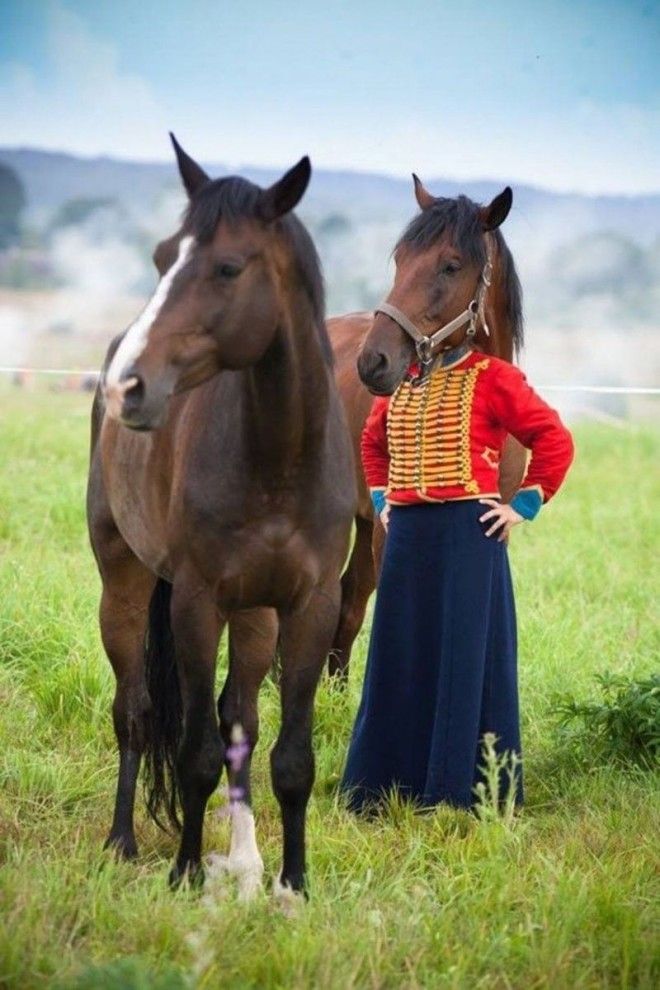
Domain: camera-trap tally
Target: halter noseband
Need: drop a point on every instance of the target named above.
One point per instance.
(425, 345)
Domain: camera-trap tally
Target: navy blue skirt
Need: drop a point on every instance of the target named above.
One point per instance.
(441, 669)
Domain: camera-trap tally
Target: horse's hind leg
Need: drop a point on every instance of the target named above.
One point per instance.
(196, 627)
(252, 646)
(357, 583)
(305, 639)
(127, 588)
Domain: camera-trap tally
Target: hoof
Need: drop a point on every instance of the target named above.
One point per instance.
(247, 874)
(191, 875)
(249, 885)
(289, 901)
(123, 846)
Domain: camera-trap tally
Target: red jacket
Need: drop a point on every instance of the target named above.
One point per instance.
(443, 439)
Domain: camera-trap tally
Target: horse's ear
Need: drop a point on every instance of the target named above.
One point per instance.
(192, 175)
(495, 214)
(422, 195)
(287, 192)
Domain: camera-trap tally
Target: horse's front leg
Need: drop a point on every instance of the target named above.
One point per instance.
(305, 639)
(196, 627)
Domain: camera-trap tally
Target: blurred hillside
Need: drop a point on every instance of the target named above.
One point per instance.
(75, 263)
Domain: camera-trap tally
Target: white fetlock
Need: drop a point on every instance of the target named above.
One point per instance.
(216, 865)
(244, 861)
(249, 882)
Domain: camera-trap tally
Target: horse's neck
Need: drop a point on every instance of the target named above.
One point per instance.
(499, 342)
(288, 396)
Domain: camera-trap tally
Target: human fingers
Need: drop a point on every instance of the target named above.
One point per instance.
(513, 518)
(488, 515)
(505, 533)
(500, 521)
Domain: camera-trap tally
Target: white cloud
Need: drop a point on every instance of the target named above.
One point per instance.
(91, 106)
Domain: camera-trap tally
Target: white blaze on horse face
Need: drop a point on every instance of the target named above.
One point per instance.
(135, 338)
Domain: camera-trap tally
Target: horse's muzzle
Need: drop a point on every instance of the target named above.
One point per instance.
(376, 372)
(128, 402)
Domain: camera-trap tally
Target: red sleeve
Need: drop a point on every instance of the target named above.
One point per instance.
(537, 426)
(373, 445)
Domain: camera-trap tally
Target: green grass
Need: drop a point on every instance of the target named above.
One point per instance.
(565, 897)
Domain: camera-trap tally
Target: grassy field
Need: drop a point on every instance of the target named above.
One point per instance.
(564, 897)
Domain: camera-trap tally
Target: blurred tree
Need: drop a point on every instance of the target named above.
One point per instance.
(602, 262)
(76, 211)
(12, 204)
(334, 223)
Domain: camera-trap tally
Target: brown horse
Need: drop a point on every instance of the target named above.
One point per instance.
(439, 260)
(237, 508)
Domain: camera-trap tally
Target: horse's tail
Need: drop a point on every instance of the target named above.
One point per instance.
(165, 716)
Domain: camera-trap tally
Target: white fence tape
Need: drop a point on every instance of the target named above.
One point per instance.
(48, 371)
(598, 389)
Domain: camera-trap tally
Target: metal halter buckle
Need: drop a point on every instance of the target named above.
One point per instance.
(424, 349)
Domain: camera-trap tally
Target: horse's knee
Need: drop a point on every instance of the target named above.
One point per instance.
(231, 716)
(292, 771)
(350, 623)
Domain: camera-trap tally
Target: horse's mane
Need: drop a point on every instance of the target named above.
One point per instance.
(233, 199)
(460, 219)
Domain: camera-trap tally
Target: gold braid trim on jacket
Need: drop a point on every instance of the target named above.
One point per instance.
(428, 431)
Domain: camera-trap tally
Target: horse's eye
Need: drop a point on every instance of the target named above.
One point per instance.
(226, 269)
(450, 268)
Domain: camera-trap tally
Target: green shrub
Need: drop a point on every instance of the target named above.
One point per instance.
(624, 726)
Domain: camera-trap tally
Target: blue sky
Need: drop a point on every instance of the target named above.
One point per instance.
(563, 94)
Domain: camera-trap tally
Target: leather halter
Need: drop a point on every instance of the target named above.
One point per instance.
(426, 345)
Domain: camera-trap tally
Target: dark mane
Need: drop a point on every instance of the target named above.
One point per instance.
(460, 220)
(233, 199)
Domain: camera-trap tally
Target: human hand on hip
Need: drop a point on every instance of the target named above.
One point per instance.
(504, 518)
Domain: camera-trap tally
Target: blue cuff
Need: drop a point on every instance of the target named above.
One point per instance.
(378, 499)
(527, 503)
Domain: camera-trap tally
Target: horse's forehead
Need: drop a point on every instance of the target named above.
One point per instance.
(238, 235)
(411, 255)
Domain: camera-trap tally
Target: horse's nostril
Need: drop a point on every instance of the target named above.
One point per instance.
(373, 363)
(133, 393)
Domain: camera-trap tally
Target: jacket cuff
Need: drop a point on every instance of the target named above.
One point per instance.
(527, 502)
(378, 499)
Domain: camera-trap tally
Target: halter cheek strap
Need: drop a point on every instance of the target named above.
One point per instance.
(425, 345)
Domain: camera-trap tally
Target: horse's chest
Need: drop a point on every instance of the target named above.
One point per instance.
(258, 560)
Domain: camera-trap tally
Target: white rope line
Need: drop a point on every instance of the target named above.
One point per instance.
(598, 389)
(48, 371)
(609, 389)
